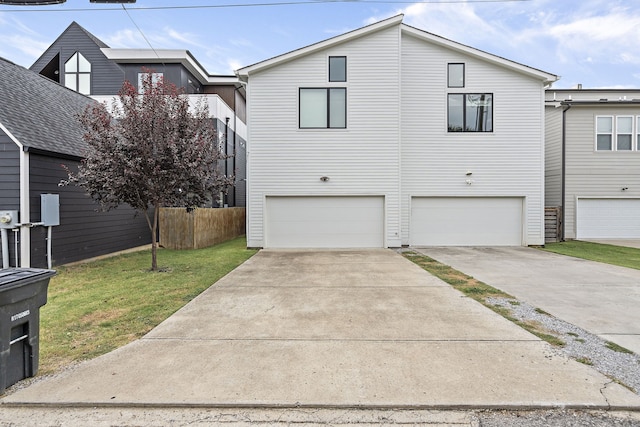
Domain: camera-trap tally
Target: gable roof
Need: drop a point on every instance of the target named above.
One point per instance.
(547, 78)
(38, 114)
(73, 26)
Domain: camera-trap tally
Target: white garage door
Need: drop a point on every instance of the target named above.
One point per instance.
(324, 222)
(466, 221)
(608, 219)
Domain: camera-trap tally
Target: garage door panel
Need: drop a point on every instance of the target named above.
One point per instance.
(324, 222)
(608, 219)
(466, 221)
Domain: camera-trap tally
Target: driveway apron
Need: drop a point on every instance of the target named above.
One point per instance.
(334, 328)
(601, 298)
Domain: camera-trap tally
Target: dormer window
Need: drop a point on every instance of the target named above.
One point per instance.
(77, 74)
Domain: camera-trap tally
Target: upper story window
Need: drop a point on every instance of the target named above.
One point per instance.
(604, 133)
(617, 133)
(323, 108)
(455, 75)
(77, 74)
(155, 78)
(337, 68)
(470, 112)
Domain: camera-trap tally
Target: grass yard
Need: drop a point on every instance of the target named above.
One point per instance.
(610, 254)
(96, 307)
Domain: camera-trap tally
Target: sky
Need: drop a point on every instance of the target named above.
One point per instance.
(595, 43)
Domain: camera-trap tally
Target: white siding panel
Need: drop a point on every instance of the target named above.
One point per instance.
(508, 162)
(466, 221)
(608, 219)
(324, 222)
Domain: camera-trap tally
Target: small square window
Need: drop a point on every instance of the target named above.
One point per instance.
(337, 68)
(455, 75)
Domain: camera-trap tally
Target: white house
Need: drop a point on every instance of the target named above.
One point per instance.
(389, 135)
(593, 161)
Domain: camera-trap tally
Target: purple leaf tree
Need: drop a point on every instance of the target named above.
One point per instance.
(151, 151)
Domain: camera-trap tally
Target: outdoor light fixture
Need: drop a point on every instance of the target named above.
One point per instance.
(324, 178)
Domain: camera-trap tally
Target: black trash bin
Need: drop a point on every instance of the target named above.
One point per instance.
(22, 292)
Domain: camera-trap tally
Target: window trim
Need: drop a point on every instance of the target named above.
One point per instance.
(329, 69)
(595, 147)
(449, 74)
(464, 113)
(328, 98)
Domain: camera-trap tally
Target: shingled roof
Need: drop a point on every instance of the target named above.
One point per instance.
(40, 114)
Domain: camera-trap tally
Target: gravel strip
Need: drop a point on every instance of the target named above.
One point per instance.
(580, 345)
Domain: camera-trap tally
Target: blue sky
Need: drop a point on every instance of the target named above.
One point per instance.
(593, 42)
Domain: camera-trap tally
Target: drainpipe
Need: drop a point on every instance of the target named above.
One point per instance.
(564, 168)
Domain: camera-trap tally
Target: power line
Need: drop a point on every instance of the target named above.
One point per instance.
(261, 4)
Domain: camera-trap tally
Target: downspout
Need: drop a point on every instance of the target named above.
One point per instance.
(564, 169)
(25, 209)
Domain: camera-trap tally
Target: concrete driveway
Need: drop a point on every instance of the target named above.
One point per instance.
(601, 298)
(331, 329)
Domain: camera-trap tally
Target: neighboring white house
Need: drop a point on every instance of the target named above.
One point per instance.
(389, 135)
(593, 161)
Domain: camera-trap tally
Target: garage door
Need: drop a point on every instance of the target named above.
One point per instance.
(324, 222)
(608, 219)
(466, 221)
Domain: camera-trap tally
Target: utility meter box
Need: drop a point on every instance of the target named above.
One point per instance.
(50, 209)
(9, 219)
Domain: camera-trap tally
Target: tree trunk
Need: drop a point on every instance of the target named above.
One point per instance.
(154, 241)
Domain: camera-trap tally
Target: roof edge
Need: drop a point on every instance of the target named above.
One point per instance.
(359, 32)
(546, 77)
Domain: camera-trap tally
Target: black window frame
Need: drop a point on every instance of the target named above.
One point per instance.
(328, 124)
(464, 112)
(449, 74)
(345, 68)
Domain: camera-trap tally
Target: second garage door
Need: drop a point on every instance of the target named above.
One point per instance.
(466, 221)
(608, 219)
(324, 222)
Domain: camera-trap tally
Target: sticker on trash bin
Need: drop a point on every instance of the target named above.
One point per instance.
(20, 315)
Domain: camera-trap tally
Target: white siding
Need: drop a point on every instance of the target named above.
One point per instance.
(360, 160)
(591, 173)
(553, 156)
(505, 163)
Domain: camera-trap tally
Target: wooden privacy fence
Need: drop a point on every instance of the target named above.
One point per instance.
(552, 224)
(201, 227)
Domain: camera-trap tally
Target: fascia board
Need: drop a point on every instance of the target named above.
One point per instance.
(547, 78)
(246, 71)
(159, 56)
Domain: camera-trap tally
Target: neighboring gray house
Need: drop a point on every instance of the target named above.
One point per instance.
(40, 132)
(592, 162)
(79, 60)
(389, 135)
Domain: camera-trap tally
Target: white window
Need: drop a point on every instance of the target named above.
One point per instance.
(638, 133)
(323, 108)
(604, 133)
(77, 74)
(455, 75)
(624, 133)
(155, 79)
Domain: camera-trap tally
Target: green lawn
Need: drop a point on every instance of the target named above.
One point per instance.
(610, 254)
(96, 307)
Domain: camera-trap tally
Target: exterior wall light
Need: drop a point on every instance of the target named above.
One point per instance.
(324, 178)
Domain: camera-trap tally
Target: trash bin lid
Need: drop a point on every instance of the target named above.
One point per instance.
(9, 276)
